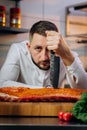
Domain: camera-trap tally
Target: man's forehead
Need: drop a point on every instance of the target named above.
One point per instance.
(39, 39)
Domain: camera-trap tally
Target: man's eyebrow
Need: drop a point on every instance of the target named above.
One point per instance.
(37, 46)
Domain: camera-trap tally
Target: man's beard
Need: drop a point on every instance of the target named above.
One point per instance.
(42, 68)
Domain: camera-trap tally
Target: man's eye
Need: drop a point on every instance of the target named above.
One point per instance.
(38, 48)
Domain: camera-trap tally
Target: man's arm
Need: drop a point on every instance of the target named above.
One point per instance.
(76, 74)
(10, 69)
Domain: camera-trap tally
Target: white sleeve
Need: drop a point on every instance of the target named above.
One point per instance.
(76, 70)
(10, 69)
(18, 84)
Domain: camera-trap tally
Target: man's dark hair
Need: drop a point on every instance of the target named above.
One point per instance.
(41, 27)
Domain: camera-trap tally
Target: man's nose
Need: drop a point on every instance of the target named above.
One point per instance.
(44, 55)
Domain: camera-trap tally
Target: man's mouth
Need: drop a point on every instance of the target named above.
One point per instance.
(45, 63)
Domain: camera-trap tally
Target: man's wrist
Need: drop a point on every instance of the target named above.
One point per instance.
(68, 60)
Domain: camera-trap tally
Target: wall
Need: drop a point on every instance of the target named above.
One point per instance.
(32, 11)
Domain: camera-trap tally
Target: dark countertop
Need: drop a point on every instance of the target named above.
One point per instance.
(40, 123)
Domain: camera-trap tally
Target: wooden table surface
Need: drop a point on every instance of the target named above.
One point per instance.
(34, 108)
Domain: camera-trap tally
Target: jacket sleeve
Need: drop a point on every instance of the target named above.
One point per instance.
(76, 75)
(10, 69)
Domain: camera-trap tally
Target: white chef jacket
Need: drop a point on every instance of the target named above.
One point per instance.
(19, 70)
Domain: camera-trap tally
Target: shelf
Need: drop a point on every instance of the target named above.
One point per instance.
(10, 30)
(76, 23)
(13, 30)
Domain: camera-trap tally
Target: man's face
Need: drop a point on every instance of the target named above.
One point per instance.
(39, 52)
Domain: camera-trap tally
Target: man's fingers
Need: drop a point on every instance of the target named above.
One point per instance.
(51, 33)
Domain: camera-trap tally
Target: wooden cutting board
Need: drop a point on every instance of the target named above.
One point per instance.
(33, 108)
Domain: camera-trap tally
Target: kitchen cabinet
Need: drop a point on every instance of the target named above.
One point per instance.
(76, 20)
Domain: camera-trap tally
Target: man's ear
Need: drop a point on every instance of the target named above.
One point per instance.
(28, 45)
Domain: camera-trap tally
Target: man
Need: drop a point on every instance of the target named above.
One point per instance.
(28, 63)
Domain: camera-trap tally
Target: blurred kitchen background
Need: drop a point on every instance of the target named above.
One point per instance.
(61, 12)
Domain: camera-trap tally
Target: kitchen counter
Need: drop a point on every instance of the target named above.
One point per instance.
(36, 115)
(40, 123)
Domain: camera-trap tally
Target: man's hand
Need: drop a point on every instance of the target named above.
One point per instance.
(57, 44)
